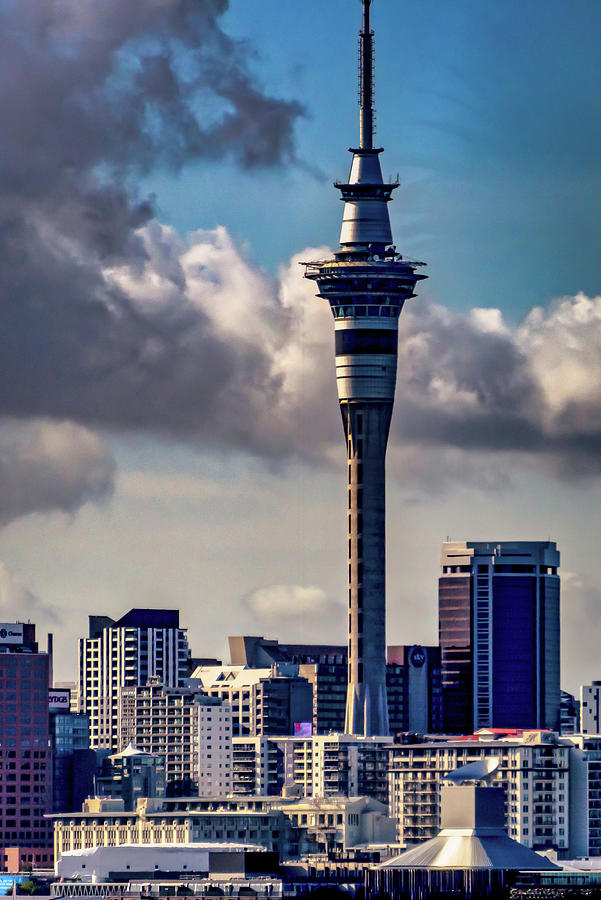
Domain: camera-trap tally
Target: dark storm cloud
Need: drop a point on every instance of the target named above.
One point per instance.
(91, 96)
(109, 319)
(47, 466)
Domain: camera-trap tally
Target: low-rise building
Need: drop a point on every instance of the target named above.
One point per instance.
(106, 823)
(334, 825)
(289, 826)
(143, 861)
(533, 769)
(131, 774)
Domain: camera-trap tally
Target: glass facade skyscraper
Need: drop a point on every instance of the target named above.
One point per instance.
(499, 635)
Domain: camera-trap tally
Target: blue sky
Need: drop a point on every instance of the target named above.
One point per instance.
(169, 431)
(489, 112)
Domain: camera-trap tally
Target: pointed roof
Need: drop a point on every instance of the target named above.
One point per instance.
(456, 848)
(130, 750)
(473, 836)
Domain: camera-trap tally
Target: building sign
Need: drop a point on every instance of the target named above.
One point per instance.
(303, 729)
(59, 700)
(6, 882)
(418, 657)
(11, 633)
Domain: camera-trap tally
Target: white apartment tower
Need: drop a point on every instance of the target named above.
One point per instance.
(213, 747)
(143, 644)
(534, 769)
(325, 765)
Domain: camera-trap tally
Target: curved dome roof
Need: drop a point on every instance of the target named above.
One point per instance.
(481, 770)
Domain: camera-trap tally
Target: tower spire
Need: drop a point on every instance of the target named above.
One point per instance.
(366, 81)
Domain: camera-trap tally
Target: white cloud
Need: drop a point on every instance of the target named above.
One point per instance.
(488, 320)
(297, 613)
(563, 348)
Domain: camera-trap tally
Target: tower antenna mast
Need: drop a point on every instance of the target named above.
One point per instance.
(366, 81)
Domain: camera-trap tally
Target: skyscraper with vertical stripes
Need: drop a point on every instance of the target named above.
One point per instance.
(498, 605)
(366, 284)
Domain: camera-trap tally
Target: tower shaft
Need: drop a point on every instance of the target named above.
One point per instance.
(366, 427)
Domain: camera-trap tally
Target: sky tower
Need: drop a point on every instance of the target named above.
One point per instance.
(366, 285)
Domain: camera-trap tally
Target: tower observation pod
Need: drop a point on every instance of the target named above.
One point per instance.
(366, 284)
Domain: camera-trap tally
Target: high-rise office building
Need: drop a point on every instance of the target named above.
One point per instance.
(413, 685)
(25, 754)
(258, 652)
(143, 644)
(499, 635)
(366, 285)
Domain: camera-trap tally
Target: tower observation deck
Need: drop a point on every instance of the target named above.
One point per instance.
(366, 284)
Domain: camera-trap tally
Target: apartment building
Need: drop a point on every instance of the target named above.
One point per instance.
(590, 708)
(533, 769)
(143, 644)
(192, 731)
(263, 701)
(316, 766)
(585, 795)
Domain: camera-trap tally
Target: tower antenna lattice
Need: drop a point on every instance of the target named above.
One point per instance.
(366, 80)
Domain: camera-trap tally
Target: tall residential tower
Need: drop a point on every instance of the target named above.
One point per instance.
(142, 644)
(366, 285)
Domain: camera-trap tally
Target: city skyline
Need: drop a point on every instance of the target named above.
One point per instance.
(156, 464)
